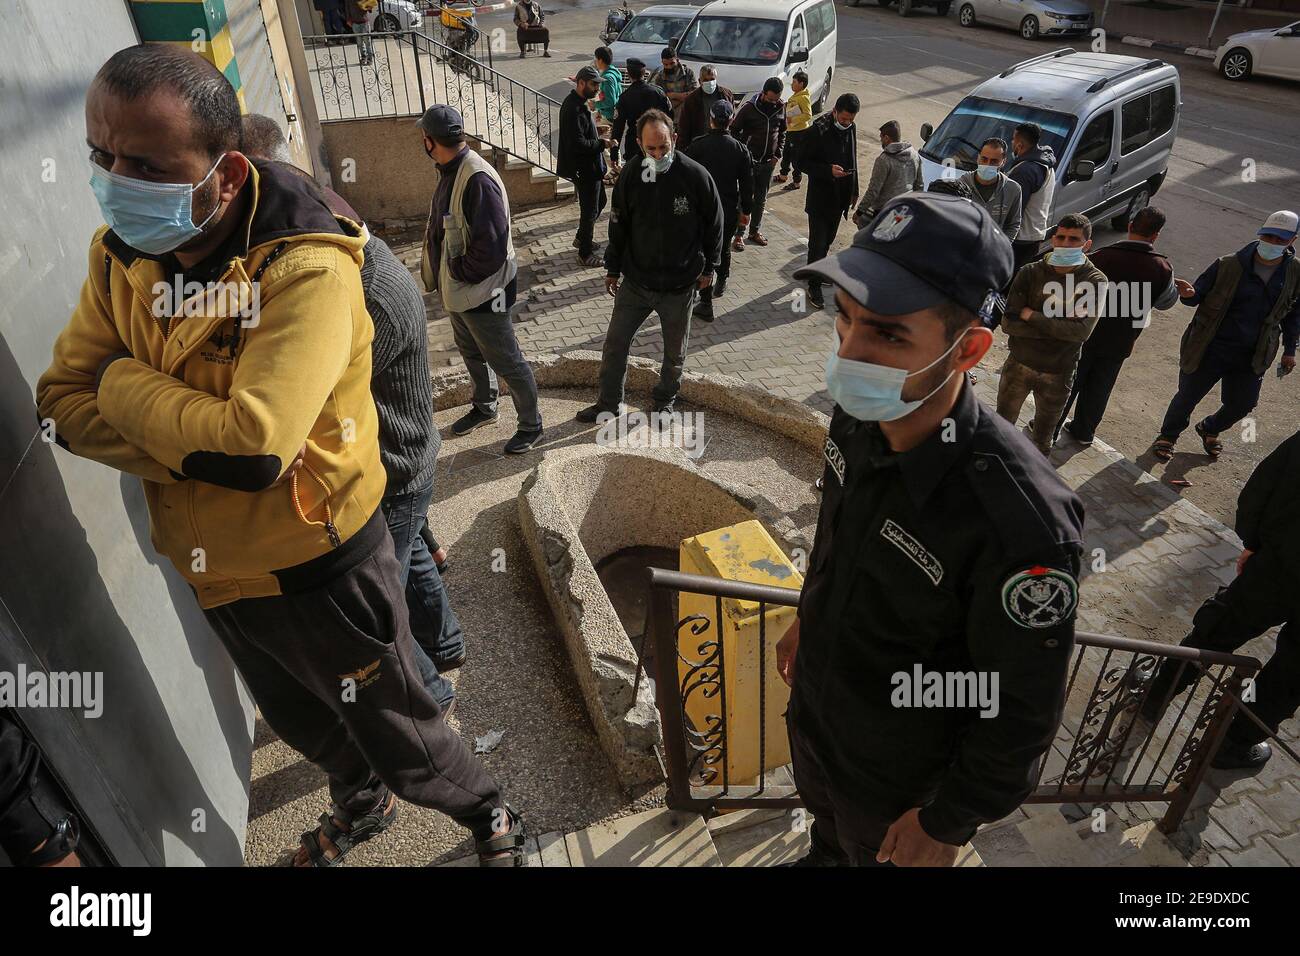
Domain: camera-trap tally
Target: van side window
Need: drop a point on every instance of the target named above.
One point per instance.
(821, 22)
(1095, 143)
(799, 38)
(1147, 117)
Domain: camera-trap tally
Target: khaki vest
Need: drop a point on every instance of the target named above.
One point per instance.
(460, 296)
(1209, 315)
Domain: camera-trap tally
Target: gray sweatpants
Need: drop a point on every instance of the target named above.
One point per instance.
(632, 306)
(487, 343)
(332, 668)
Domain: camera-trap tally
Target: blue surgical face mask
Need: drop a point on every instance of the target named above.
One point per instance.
(1269, 251)
(986, 173)
(660, 165)
(151, 217)
(710, 86)
(1066, 256)
(842, 126)
(874, 393)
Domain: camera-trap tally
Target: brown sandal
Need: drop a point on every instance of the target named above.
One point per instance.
(1163, 448)
(1213, 447)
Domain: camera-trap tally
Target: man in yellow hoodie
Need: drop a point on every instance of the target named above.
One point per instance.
(220, 351)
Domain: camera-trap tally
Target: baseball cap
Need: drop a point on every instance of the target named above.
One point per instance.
(721, 111)
(442, 120)
(587, 73)
(921, 249)
(1282, 224)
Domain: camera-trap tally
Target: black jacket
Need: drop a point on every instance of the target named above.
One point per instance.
(665, 231)
(729, 163)
(636, 99)
(1139, 275)
(1268, 510)
(580, 154)
(761, 128)
(958, 557)
(826, 146)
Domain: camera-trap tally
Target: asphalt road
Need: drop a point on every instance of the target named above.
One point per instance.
(916, 70)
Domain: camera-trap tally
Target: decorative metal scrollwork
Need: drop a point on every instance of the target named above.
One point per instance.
(703, 677)
(1106, 720)
(1199, 729)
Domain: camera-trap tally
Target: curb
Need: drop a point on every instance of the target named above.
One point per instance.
(1171, 47)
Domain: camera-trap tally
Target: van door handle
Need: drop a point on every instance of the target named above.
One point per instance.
(1114, 167)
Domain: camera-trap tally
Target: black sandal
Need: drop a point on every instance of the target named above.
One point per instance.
(1163, 448)
(508, 848)
(363, 828)
(1213, 447)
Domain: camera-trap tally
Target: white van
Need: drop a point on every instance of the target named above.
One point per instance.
(750, 41)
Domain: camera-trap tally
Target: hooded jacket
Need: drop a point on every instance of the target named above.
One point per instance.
(761, 127)
(1035, 172)
(897, 170)
(210, 405)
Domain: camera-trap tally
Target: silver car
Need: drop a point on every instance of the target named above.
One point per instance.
(1031, 18)
(647, 33)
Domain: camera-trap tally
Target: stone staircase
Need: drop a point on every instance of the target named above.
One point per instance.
(395, 84)
(1035, 835)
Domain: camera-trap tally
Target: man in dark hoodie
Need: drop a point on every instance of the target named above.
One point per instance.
(665, 242)
(1140, 279)
(637, 97)
(1247, 303)
(729, 163)
(897, 170)
(829, 158)
(760, 125)
(1264, 594)
(1034, 171)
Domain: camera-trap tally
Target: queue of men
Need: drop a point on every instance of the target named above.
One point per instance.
(303, 454)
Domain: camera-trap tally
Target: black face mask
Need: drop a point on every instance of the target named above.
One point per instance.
(429, 153)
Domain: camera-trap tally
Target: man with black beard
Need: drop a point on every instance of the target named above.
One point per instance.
(581, 158)
(946, 546)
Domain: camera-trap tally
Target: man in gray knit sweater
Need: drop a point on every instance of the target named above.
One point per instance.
(408, 442)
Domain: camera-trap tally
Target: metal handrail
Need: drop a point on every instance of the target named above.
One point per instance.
(497, 110)
(1107, 750)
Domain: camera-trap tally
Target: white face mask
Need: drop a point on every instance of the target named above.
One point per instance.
(710, 86)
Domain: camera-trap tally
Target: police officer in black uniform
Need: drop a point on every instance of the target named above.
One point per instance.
(947, 555)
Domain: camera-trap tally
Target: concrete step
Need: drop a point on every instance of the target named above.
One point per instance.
(1051, 839)
(655, 838)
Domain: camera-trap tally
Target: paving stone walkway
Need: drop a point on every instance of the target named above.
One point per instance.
(1157, 557)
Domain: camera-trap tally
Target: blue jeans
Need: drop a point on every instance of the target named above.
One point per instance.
(437, 632)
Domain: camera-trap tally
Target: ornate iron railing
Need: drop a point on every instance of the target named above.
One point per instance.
(409, 71)
(1102, 753)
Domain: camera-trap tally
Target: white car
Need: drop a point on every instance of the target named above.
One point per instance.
(391, 16)
(1273, 52)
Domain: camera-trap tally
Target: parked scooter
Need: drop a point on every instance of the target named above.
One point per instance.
(615, 21)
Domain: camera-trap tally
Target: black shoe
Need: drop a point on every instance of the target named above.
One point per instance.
(447, 664)
(1241, 756)
(474, 419)
(522, 441)
(661, 414)
(816, 299)
(703, 313)
(589, 414)
(719, 288)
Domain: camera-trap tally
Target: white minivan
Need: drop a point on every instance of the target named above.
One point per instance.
(752, 40)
